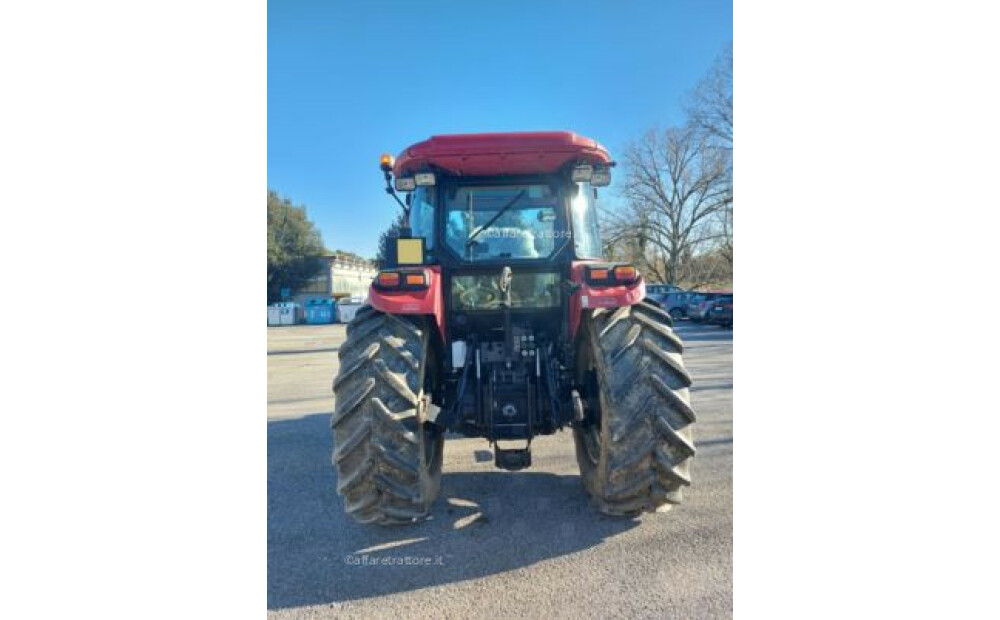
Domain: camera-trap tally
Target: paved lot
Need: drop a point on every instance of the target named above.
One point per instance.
(502, 544)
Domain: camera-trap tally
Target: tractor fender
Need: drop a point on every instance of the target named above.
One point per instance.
(428, 301)
(587, 297)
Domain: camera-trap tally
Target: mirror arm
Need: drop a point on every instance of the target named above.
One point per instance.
(389, 189)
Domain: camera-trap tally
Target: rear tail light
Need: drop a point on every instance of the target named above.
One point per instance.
(625, 274)
(599, 275)
(609, 276)
(401, 280)
(388, 279)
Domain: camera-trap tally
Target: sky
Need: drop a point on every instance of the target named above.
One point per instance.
(347, 81)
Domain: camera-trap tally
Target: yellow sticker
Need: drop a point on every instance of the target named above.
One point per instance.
(410, 251)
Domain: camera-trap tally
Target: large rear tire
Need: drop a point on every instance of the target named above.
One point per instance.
(635, 448)
(388, 459)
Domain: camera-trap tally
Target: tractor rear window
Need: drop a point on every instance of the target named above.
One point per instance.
(527, 290)
(509, 221)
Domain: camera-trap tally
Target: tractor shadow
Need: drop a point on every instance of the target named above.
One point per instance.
(483, 523)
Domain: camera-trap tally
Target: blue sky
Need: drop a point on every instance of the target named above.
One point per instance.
(347, 81)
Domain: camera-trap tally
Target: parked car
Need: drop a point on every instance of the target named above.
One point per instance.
(720, 312)
(694, 300)
(698, 309)
(676, 303)
(671, 298)
(658, 290)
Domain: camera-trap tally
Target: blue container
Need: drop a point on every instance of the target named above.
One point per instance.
(319, 312)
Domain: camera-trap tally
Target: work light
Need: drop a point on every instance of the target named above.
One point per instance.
(405, 184)
(425, 178)
(582, 173)
(600, 177)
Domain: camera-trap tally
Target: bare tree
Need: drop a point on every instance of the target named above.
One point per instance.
(710, 268)
(675, 185)
(710, 110)
(677, 220)
(628, 237)
(725, 220)
(710, 105)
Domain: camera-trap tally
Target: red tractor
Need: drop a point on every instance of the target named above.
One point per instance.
(497, 317)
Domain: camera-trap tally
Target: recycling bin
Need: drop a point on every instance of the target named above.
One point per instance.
(319, 312)
(273, 315)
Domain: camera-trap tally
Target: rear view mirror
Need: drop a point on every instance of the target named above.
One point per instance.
(480, 247)
(546, 215)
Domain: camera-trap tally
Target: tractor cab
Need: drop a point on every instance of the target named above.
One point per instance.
(502, 197)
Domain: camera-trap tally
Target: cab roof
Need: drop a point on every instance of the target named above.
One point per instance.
(488, 154)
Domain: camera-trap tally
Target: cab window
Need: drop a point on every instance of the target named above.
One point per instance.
(586, 229)
(422, 215)
(508, 221)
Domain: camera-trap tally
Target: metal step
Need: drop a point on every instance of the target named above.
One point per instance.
(512, 460)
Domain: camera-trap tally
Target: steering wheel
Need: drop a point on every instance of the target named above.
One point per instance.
(480, 296)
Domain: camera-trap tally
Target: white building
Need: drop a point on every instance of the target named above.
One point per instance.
(341, 276)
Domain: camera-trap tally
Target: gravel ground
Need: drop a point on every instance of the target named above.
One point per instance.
(500, 544)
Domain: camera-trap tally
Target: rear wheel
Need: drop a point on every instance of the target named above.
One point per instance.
(635, 448)
(388, 459)
(676, 314)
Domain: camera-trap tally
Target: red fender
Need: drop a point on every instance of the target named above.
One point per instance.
(428, 301)
(588, 297)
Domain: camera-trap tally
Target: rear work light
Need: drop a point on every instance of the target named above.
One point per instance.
(601, 177)
(609, 276)
(582, 173)
(405, 184)
(597, 176)
(425, 178)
